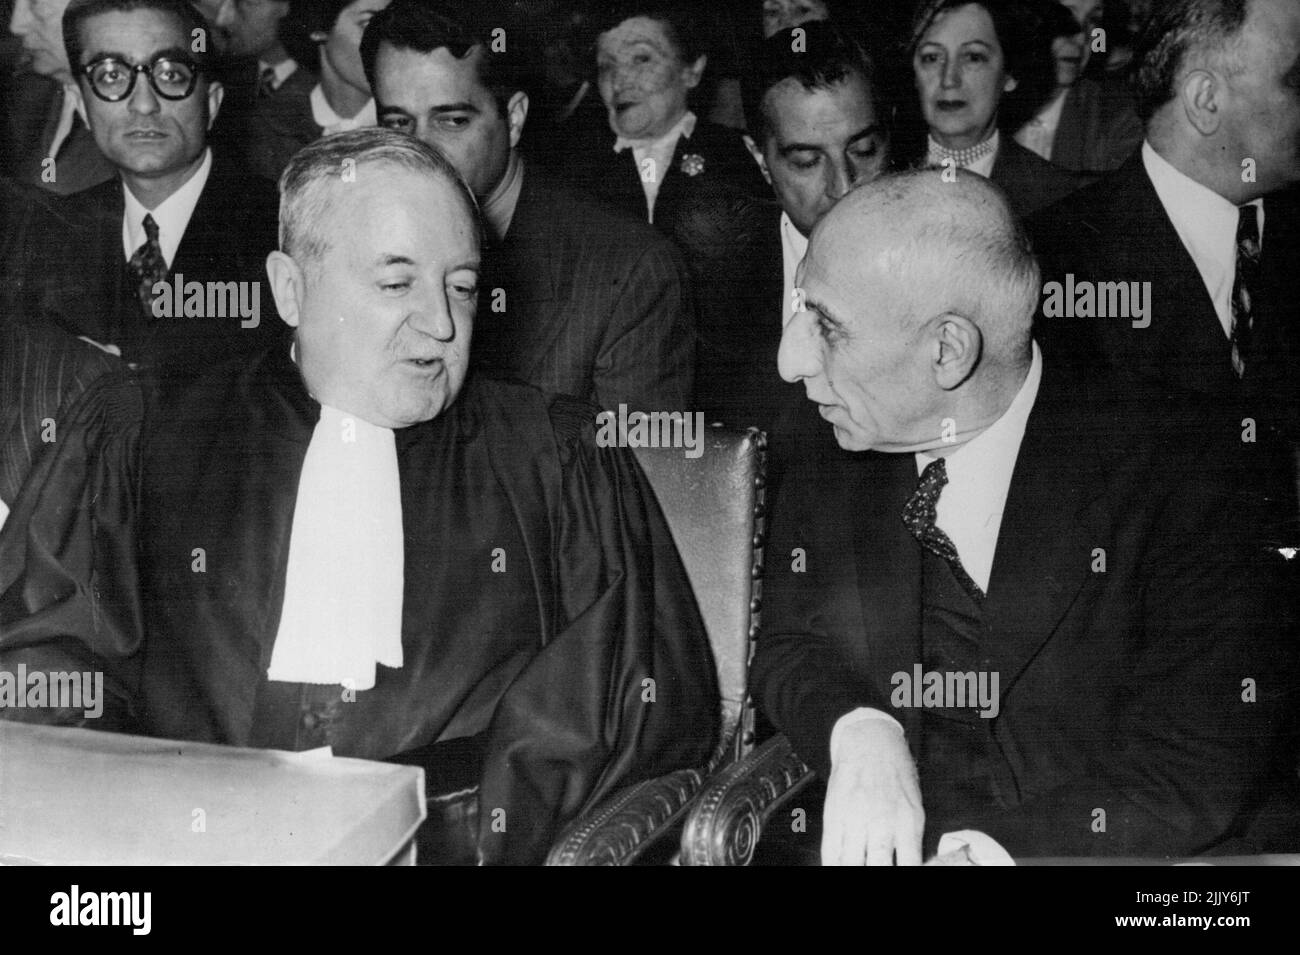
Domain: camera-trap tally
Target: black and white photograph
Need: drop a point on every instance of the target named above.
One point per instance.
(650, 433)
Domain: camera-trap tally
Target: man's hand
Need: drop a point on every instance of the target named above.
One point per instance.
(873, 799)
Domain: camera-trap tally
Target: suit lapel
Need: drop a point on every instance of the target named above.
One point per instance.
(1053, 520)
(888, 568)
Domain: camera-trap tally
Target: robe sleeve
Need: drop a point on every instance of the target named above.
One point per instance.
(625, 690)
(68, 595)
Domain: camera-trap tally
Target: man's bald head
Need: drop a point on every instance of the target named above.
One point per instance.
(953, 246)
(920, 295)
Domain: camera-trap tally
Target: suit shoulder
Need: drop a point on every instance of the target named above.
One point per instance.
(566, 211)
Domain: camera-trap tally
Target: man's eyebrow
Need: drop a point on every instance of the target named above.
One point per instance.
(875, 129)
(170, 53)
(384, 259)
(825, 312)
(463, 107)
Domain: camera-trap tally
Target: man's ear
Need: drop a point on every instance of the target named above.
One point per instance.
(287, 286)
(695, 72)
(516, 116)
(1199, 95)
(216, 93)
(958, 343)
(1010, 83)
(758, 156)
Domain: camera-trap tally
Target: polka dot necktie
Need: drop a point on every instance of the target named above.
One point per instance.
(147, 266)
(919, 518)
(1243, 288)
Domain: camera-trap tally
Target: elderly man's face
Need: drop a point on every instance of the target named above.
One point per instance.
(858, 358)
(442, 101)
(38, 23)
(385, 319)
(820, 144)
(782, 14)
(1261, 109)
(144, 134)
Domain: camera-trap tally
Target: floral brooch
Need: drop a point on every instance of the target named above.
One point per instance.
(692, 164)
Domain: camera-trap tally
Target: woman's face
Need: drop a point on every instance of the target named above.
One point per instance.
(961, 76)
(342, 47)
(643, 79)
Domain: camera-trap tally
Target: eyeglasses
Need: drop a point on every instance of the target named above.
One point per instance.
(171, 78)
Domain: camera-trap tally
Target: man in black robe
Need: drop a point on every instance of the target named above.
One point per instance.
(541, 642)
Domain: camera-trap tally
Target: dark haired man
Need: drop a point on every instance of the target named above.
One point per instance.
(170, 270)
(578, 299)
(817, 130)
(1201, 216)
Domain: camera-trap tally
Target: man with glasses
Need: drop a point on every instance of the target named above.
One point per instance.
(173, 250)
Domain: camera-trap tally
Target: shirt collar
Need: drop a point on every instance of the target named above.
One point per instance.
(280, 71)
(794, 246)
(172, 215)
(499, 206)
(999, 443)
(1204, 220)
(331, 122)
(683, 127)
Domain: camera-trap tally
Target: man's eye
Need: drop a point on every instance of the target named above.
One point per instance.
(464, 290)
(454, 122)
(400, 123)
(864, 153)
(800, 162)
(400, 286)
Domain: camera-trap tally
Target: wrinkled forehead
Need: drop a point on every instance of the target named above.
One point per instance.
(380, 206)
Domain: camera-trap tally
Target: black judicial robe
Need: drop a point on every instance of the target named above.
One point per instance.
(542, 592)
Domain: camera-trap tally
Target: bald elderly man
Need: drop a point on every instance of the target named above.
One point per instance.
(1010, 612)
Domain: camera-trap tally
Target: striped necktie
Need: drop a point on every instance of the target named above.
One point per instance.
(1244, 287)
(919, 518)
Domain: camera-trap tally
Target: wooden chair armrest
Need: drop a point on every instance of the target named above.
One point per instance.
(618, 830)
(728, 818)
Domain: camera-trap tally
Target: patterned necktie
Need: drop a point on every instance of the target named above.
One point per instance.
(919, 518)
(148, 266)
(1244, 287)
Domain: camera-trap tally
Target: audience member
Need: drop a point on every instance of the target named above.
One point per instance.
(967, 57)
(578, 299)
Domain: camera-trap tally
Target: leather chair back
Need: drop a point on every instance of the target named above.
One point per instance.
(714, 506)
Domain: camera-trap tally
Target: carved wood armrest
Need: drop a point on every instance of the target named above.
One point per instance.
(618, 830)
(729, 815)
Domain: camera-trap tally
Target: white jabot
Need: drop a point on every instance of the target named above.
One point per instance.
(794, 246)
(331, 122)
(1039, 133)
(342, 610)
(70, 106)
(969, 511)
(660, 152)
(172, 215)
(1207, 225)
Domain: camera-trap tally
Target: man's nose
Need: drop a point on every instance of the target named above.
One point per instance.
(798, 357)
(143, 100)
(21, 21)
(841, 178)
(432, 316)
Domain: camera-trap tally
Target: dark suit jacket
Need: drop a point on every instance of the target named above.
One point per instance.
(1117, 231)
(615, 178)
(1099, 127)
(597, 304)
(277, 126)
(88, 290)
(1120, 687)
(1029, 181)
(34, 115)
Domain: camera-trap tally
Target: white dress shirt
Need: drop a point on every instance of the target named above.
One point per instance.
(969, 511)
(794, 246)
(660, 152)
(172, 215)
(331, 122)
(1038, 134)
(1207, 225)
(498, 207)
